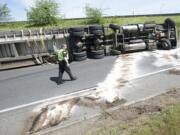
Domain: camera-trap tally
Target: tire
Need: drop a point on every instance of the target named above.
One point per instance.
(98, 52)
(78, 34)
(80, 54)
(115, 52)
(95, 27)
(97, 56)
(166, 44)
(169, 23)
(80, 58)
(114, 26)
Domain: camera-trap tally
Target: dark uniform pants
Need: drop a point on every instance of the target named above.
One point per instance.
(63, 66)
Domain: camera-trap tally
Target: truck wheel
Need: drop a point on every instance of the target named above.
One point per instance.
(98, 52)
(80, 54)
(80, 58)
(115, 52)
(169, 23)
(97, 56)
(166, 44)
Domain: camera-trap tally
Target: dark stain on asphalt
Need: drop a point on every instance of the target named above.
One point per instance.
(174, 72)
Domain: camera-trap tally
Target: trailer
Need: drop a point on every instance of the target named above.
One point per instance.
(28, 47)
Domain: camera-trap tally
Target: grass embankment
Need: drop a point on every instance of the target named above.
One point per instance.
(166, 122)
(70, 23)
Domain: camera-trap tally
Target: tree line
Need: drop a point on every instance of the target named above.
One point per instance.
(46, 12)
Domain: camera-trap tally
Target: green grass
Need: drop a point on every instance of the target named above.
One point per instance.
(164, 123)
(106, 21)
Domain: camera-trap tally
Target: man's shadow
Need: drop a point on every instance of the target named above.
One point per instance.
(55, 79)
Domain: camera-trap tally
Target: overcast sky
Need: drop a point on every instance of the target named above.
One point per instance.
(75, 8)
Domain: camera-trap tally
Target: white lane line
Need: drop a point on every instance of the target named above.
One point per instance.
(63, 97)
(76, 94)
(152, 73)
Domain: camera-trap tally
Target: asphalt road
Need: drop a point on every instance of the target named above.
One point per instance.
(13, 122)
(26, 85)
(31, 84)
(135, 90)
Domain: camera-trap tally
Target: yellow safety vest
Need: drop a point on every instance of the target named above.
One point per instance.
(61, 53)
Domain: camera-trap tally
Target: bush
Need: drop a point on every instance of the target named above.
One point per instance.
(4, 13)
(45, 12)
(94, 15)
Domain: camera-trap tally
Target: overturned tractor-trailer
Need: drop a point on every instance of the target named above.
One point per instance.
(146, 36)
(36, 46)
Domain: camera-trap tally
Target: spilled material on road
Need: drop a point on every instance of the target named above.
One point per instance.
(106, 93)
(175, 71)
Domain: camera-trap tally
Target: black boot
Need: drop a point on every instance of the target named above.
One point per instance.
(68, 70)
(73, 78)
(59, 82)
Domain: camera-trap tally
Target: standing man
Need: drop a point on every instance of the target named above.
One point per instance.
(63, 57)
